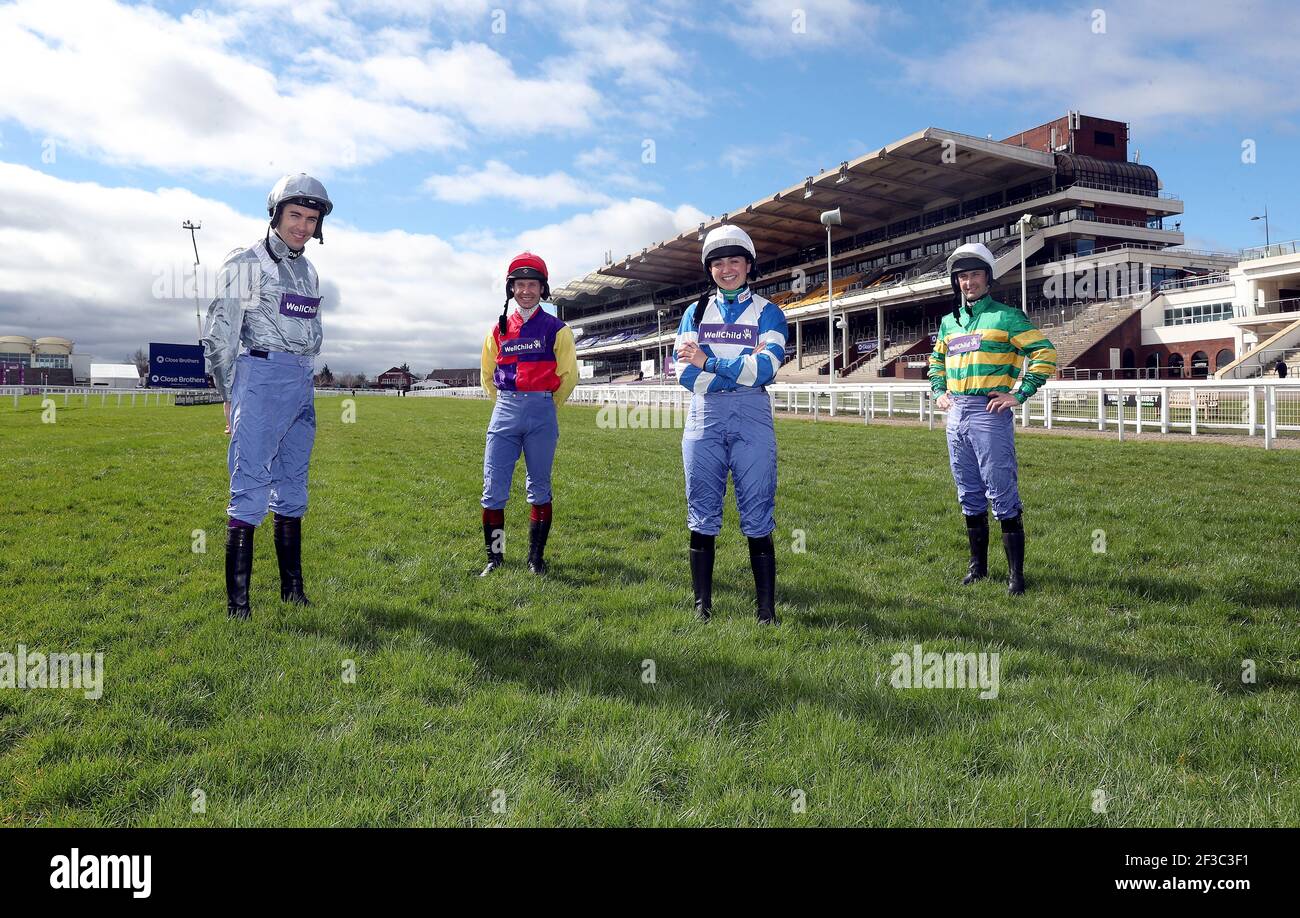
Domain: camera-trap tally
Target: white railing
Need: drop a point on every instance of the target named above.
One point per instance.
(359, 391)
(140, 395)
(1252, 408)
(1201, 280)
(1271, 251)
(131, 397)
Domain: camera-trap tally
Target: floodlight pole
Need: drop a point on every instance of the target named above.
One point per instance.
(193, 227)
(1025, 222)
(830, 218)
(1024, 285)
(830, 307)
(1267, 241)
(659, 345)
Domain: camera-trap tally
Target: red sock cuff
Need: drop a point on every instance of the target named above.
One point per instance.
(540, 513)
(494, 517)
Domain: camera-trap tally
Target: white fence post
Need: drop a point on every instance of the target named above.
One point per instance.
(1191, 400)
(1164, 410)
(1101, 409)
(1270, 416)
(1047, 408)
(1137, 406)
(1251, 413)
(889, 403)
(1119, 399)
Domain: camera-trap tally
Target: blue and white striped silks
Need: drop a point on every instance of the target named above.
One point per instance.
(728, 333)
(729, 428)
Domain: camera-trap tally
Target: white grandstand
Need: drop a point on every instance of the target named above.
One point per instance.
(1099, 251)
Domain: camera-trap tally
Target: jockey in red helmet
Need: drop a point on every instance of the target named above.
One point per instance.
(529, 367)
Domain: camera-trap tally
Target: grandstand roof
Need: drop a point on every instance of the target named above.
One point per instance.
(899, 180)
(595, 286)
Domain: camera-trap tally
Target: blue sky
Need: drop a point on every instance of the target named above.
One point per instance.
(453, 133)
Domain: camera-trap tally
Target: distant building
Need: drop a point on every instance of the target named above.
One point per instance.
(395, 378)
(37, 362)
(115, 375)
(468, 377)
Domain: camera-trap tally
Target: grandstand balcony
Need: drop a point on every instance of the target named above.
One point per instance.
(905, 207)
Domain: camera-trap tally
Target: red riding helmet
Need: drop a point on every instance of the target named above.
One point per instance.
(524, 266)
(527, 265)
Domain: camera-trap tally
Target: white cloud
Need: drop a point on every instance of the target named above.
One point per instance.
(1207, 60)
(498, 180)
(577, 245)
(389, 296)
(135, 87)
(778, 26)
(481, 87)
(596, 158)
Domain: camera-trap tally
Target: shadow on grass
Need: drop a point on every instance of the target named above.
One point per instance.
(695, 679)
(894, 621)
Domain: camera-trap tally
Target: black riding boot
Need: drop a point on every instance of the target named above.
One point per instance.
(762, 558)
(239, 568)
(1013, 542)
(702, 549)
(977, 534)
(494, 537)
(538, 530)
(288, 551)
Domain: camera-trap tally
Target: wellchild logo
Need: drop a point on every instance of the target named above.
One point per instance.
(947, 670)
(34, 670)
(103, 871)
(299, 307)
(518, 346)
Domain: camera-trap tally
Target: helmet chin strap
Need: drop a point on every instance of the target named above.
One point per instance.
(292, 253)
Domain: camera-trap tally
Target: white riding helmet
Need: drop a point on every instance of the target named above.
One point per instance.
(726, 240)
(970, 257)
(299, 189)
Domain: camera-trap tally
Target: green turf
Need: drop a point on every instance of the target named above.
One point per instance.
(1120, 671)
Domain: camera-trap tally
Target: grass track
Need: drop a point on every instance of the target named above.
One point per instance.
(1119, 670)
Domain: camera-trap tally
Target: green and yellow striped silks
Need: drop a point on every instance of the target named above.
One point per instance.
(983, 351)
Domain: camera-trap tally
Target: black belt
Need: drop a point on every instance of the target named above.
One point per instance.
(257, 353)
